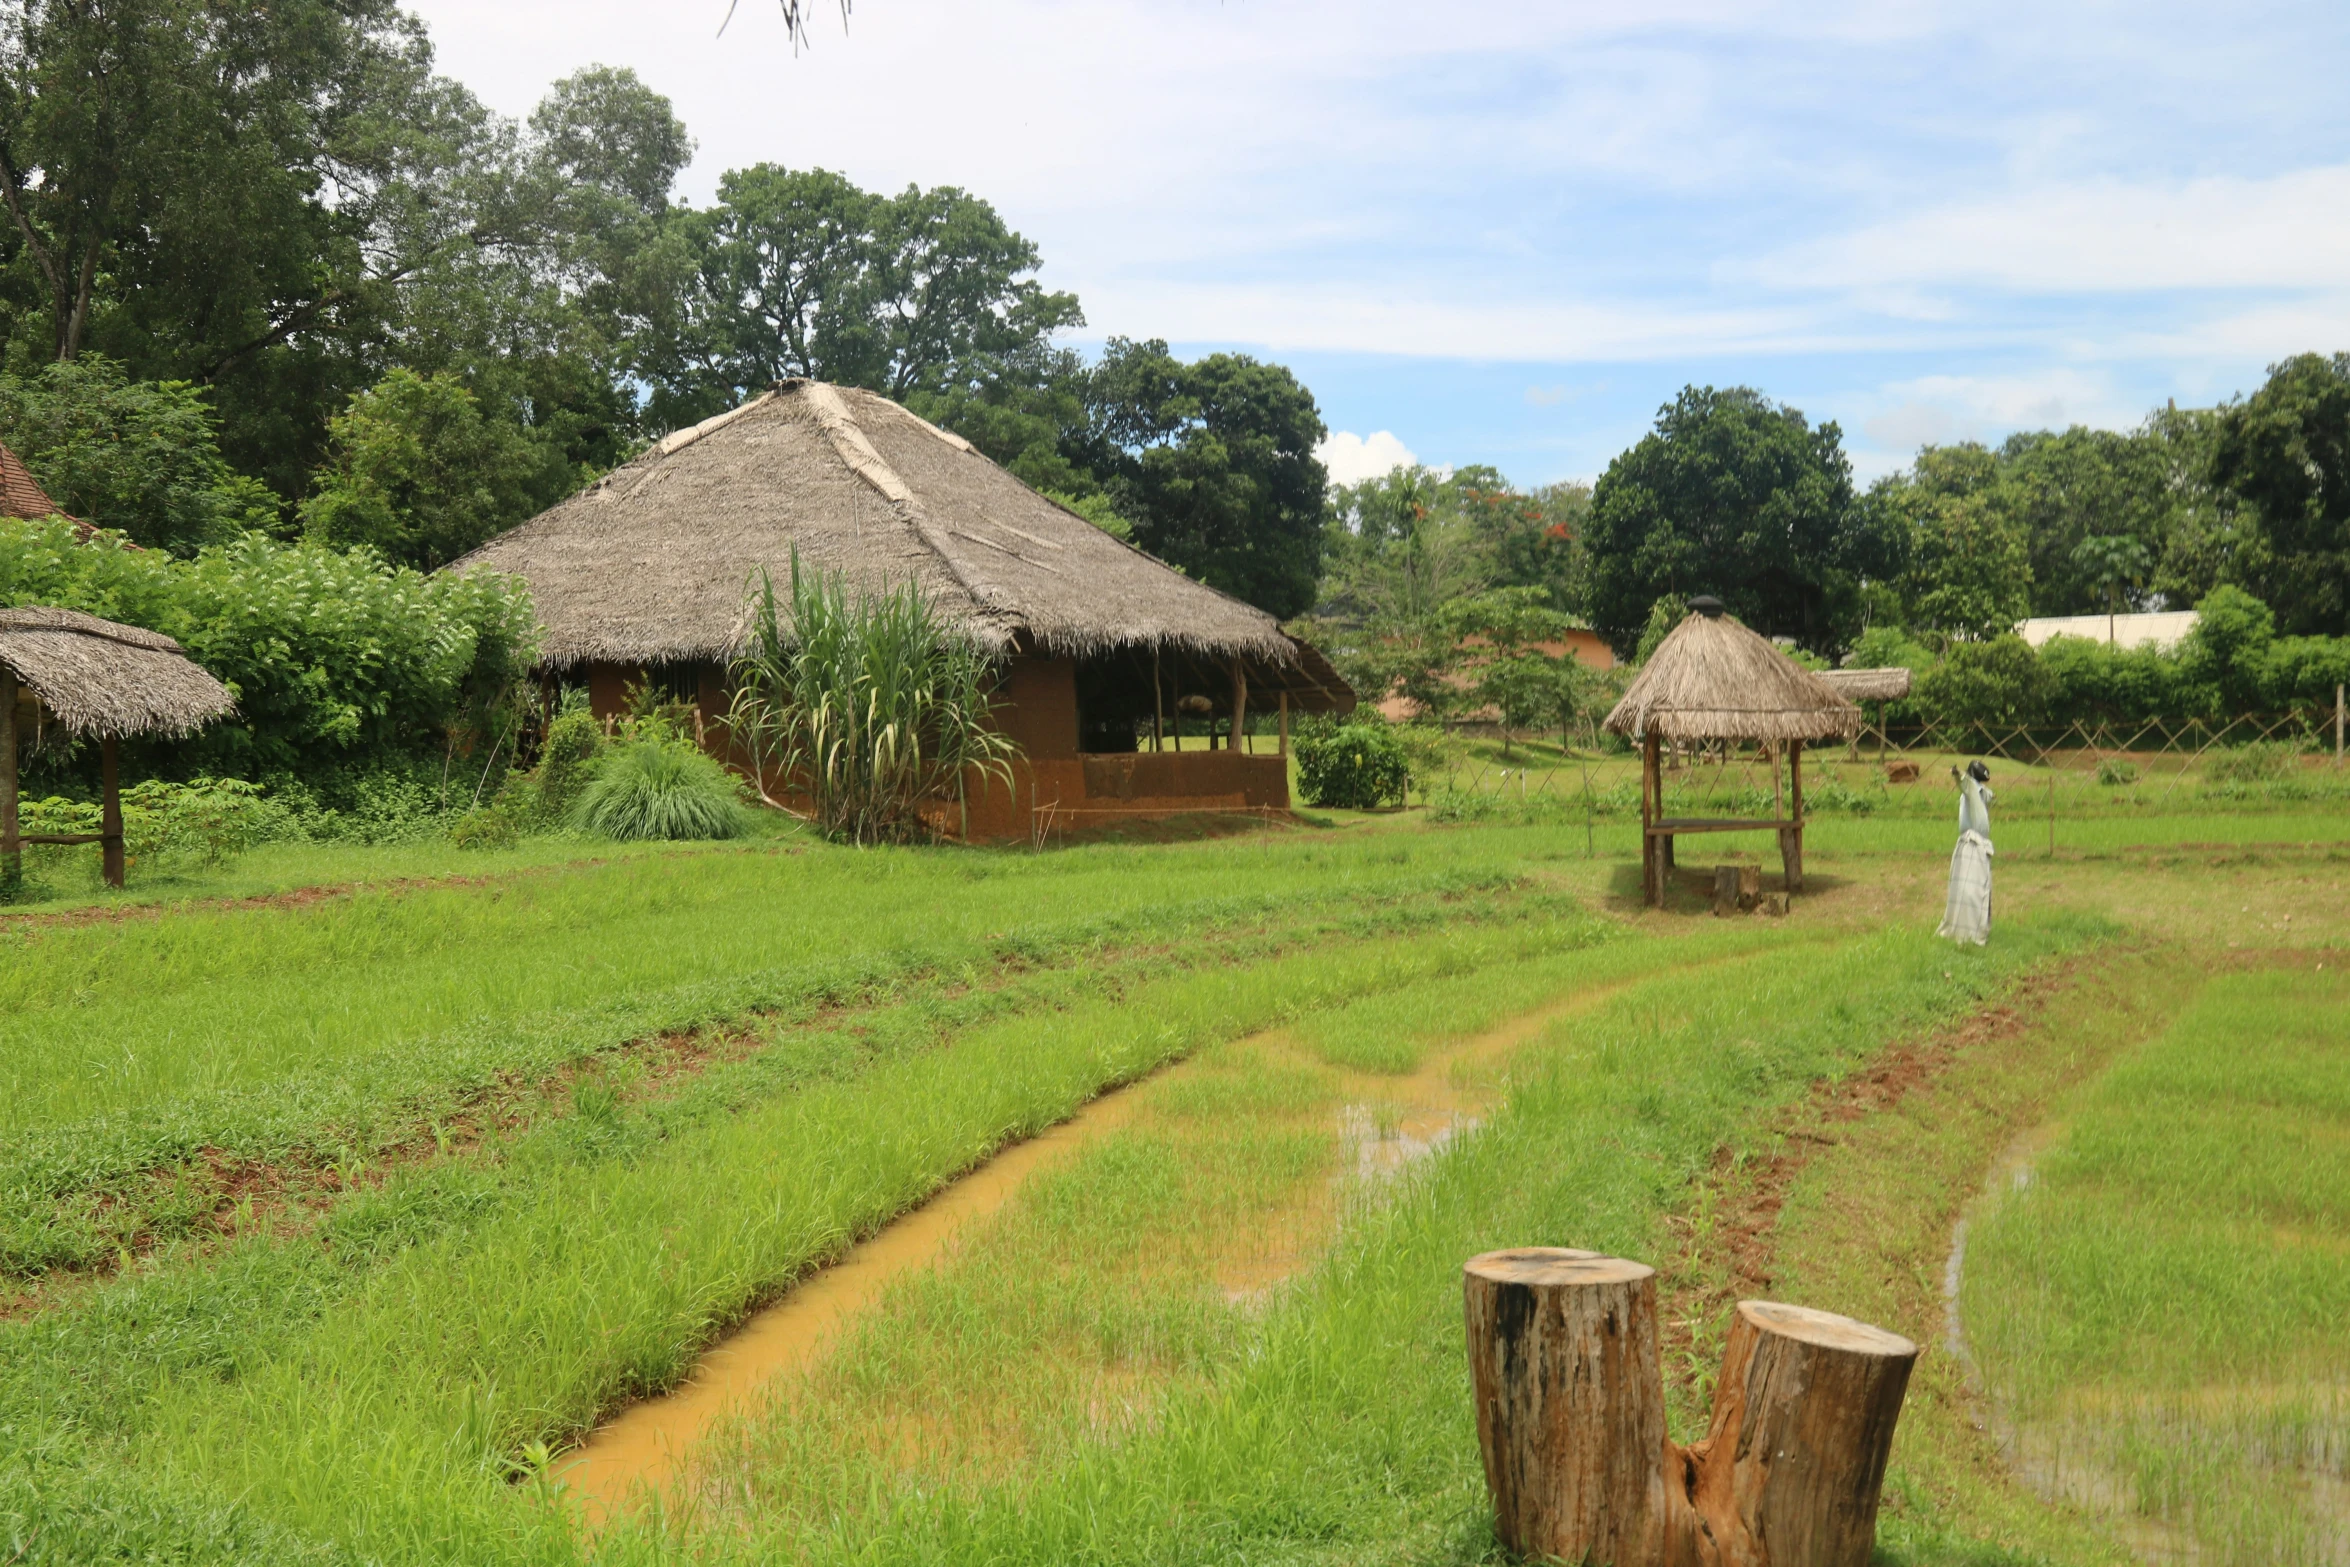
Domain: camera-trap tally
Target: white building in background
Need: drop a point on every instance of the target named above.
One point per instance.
(2165, 631)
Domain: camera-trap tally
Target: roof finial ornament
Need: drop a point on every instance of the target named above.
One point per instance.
(1707, 605)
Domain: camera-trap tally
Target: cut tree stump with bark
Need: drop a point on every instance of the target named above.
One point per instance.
(1737, 888)
(1570, 1402)
(1790, 1470)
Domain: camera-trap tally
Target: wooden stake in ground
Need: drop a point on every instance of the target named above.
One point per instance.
(1790, 1470)
(1570, 1402)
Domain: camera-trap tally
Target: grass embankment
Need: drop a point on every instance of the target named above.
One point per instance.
(2158, 1301)
(1339, 1427)
(147, 1065)
(380, 1387)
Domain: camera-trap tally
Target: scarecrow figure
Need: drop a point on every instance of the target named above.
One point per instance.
(1966, 914)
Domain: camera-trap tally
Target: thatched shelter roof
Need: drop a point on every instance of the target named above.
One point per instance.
(1868, 685)
(1713, 679)
(100, 679)
(650, 564)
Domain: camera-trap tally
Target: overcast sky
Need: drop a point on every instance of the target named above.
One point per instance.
(1506, 234)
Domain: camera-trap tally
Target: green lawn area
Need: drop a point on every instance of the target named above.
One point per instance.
(335, 1216)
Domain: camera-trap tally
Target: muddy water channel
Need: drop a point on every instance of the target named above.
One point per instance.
(1058, 1293)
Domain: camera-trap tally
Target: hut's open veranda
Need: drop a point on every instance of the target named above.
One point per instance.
(91, 679)
(1714, 681)
(643, 577)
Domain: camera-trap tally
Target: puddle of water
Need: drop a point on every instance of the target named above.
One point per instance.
(1385, 1125)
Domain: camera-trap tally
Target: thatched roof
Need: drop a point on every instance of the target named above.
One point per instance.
(1868, 685)
(98, 678)
(650, 564)
(1713, 679)
(21, 494)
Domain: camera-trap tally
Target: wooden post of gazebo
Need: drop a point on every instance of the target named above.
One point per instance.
(1713, 679)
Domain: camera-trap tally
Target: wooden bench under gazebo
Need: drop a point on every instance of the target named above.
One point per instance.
(92, 679)
(1712, 679)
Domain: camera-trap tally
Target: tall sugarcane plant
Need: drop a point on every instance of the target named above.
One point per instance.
(869, 706)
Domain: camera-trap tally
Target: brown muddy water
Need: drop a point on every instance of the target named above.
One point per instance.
(1383, 1126)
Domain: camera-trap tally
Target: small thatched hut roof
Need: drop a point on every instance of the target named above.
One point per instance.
(1868, 685)
(1713, 679)
(650, 564)
(100, 679)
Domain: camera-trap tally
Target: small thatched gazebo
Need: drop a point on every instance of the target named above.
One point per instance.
(1713, 679)
(640, 579)
(93, 679)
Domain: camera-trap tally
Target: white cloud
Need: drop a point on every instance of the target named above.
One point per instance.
(1938, 410)
(2290, 230)
(1352, 458)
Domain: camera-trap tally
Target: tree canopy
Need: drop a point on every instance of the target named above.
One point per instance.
(1737, 496)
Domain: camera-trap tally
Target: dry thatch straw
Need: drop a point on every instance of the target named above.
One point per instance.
(1868, 685)
(99, 680)
(650, 564)
(1713, 679)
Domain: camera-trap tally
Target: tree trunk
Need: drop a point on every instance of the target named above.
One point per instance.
(1570, 1402)
(1803, 1420)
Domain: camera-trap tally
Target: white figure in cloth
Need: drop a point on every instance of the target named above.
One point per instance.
(1966, 915)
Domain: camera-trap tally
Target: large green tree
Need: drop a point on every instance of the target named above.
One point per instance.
(2066, 487)
(799, 272)
(2284, 455)
(1213, 461)
(1964, 551)
(419, 476)
(1737, 496)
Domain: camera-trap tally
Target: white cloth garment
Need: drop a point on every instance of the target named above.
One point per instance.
(1966, 912)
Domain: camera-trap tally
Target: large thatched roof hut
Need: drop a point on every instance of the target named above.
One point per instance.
(95, 680)
(1712, 678)
(643, 576)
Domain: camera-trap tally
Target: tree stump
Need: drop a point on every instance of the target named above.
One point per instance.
(1737, 888)
(1789, 1472)
(1570, 1402)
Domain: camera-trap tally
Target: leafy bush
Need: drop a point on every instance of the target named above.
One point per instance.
(661, 787)
(332, 657)
(2116, 773)
(2260, 762)
(1353, 766)
(567, 763)
(1999, 682)
(204, 822)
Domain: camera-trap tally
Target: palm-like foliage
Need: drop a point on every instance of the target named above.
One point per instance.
(868, 704)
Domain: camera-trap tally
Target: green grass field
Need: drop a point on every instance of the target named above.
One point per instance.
(334, 1217)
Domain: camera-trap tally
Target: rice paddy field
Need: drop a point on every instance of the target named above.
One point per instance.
(776, 1202)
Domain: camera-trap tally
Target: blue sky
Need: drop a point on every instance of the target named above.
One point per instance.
(1506, 234)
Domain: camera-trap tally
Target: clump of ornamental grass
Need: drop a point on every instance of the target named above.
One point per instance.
(869, 704)
(660, 786)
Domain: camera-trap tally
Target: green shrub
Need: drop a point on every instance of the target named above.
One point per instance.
(544, 797)
(1999, 682)
(204, 822)
(1354, 766)
(660, 788)
(2262, 761)
(333, 657)
(485, 827)
(2116, 773)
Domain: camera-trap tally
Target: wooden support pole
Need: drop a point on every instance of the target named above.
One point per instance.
(1792, 1465)
(1570, 1402)
(110, 813)
(1652, 878)
(11, 850)
(1285, 724)
(1239, 705)
(1158, 704)
(1791, 847)
(2338, 723)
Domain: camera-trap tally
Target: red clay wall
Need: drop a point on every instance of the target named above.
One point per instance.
(1038, 709)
